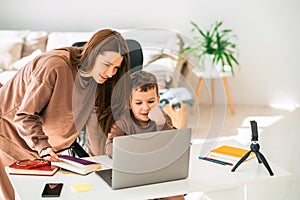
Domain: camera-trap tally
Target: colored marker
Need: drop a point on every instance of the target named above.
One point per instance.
(215, 161)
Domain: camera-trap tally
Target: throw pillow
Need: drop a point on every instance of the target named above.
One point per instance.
(10, 51)
(34, 40)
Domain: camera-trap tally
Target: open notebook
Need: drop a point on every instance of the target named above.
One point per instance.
(148, 158)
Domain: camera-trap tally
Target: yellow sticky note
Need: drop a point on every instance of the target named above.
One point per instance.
(81, 188)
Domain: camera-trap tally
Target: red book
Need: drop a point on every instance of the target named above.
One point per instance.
(46, 170)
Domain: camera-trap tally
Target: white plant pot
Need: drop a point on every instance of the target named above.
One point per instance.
(210, 66)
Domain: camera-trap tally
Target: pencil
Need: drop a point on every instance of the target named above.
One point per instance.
(215, 161)
(58, 151)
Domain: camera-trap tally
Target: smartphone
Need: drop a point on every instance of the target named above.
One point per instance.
(52, 190)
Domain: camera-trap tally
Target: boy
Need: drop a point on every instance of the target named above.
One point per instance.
(144, 115)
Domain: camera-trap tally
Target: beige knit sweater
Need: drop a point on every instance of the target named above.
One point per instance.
(37, 108)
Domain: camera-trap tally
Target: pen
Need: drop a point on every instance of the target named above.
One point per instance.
(58, 151)
(215, 161)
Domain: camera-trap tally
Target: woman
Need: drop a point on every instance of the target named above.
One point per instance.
(52, 98)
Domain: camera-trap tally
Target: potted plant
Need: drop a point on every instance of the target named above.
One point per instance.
(216, 44)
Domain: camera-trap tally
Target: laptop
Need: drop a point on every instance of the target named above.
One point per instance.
(148, 158)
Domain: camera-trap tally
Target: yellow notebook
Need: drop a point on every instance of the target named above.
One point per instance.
(230, 153)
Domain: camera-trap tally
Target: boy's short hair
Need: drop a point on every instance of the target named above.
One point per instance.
(143, 80)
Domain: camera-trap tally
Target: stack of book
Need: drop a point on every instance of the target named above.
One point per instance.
(46, 168)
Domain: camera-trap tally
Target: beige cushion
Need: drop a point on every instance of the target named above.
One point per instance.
(15, 44)
(34, 40)
(10, 51)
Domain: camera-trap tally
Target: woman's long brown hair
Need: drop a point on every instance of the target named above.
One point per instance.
(83, 59)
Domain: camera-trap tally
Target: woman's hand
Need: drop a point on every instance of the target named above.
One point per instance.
(49, 154)
(115, 131)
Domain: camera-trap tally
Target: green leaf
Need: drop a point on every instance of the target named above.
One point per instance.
(228, 59)
(234, 59)
(198, 29)
(216, 42)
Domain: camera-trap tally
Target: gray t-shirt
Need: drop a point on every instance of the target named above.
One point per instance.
(128, 125)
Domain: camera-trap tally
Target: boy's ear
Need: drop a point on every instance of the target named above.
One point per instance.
(129, 103)
(158, 98)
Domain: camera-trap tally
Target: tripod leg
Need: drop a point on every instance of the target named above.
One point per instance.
(241, 160)
(258, 157)
(264, 161)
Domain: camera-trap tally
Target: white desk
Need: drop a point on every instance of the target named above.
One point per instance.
(204, 176)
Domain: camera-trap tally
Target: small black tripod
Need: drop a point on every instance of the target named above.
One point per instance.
(254, 148)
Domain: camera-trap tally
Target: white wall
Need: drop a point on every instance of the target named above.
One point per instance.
(268, 32)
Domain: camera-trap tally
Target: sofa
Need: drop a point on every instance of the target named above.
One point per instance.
(17, 47)
(160, 49)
